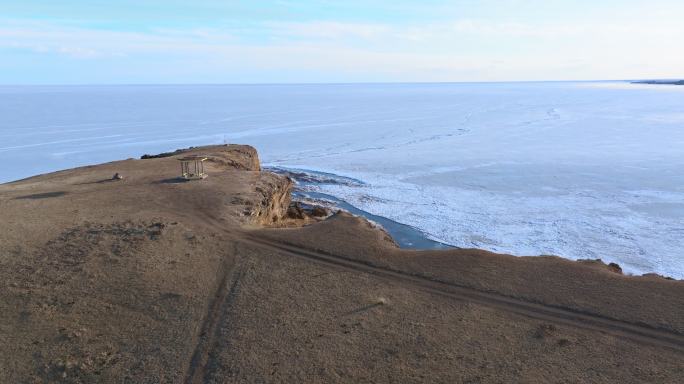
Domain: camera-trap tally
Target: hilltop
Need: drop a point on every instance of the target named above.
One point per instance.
(148, 279)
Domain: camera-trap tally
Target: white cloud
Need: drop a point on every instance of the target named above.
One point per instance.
(450, 51)
(331, 30)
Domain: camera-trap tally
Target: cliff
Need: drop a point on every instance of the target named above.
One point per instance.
(149, 279)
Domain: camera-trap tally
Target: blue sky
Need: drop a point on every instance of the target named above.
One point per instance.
(221, 41)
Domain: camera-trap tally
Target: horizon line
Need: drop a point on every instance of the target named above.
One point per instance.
(334, 82)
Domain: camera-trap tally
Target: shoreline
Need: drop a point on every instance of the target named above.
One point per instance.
(406, 236)
(306, 180)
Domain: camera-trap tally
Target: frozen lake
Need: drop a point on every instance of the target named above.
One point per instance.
(580, 170)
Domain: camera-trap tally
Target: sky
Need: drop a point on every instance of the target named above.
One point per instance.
(324, 41)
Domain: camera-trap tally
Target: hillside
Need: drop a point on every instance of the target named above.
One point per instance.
(148, 279)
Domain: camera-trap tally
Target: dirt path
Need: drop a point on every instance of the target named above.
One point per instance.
(216, 315)
(634, 332)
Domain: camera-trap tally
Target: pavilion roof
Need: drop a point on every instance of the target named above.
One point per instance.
(193, 158)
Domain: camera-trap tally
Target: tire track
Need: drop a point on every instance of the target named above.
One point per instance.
(643, 334)
(211, 327)
(640, 333)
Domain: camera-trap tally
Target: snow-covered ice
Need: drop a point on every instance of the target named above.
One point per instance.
(581, 170)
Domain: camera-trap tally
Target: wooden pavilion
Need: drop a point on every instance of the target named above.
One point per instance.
(192, 167)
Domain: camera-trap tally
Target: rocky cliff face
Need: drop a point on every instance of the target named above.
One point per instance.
(273, 198)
